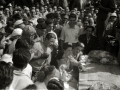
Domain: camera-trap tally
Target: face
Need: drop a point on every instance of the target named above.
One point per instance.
(68, 51)
(86, 24)
(51, 41)
(1, 13)
(3, 43)
(72, 21)
(50, 26)
(77, 49)
(89, 31)
(41, 32)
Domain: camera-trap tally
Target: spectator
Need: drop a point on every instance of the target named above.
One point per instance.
(71, 31)
(21, 58)
(89, 40)
(6, 75)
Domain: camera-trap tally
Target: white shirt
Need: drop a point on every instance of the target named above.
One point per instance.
(70, 35)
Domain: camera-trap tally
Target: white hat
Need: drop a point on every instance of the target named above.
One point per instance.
(10, 4)
(18, 22)
(113, 14)
(7, 58)
(16, 32)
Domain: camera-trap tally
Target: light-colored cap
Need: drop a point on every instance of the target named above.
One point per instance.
(7, 58)
(113, 14)
(18, 22)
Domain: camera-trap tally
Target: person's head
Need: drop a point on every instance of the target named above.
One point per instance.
(2, 40)
(21, 58)
(50, 16)
(67, 9)
(89, 30)
(41, 20)
(57, 18)
(1, 13)
(49, 24)
(55, 8)
(16, 34)
(67, 49)
(7, 11)
(19, 24)
(77, 47)
(41, 29)
(50, 39)
(29, 32)
(55, 84)
(72, 19)
(24, 43)
(64, 18)
(33, 12)
(42, 9)
(85, 24)
(6, 75)
(44, 72)
(113, 17)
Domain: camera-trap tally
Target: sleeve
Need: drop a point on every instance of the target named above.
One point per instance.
(62, 35)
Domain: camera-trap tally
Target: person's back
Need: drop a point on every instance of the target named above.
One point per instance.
(20, 59)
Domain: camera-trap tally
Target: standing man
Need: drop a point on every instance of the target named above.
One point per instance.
(105, 6)
(70, 31)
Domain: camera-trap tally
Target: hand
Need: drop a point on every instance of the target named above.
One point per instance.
(72, 60)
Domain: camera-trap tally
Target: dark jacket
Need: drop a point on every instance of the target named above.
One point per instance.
(91, 45)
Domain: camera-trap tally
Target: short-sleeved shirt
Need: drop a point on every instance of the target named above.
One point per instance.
(70, 34)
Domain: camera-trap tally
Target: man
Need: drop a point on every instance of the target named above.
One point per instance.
(71, 31)
(105, 7)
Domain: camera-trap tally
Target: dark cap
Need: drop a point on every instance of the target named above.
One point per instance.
(41, 26)
(40, 20)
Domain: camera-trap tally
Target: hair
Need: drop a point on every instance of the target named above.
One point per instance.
(24, 43)
(49, 21)
(72, 16)
(66, 45)
(6, 74)
(54, 84)
(78, 44)
(21, 58)
(50, 35)
(45, 70)
(31, 87)
(91, 28)
(50, 16)
(41, 26)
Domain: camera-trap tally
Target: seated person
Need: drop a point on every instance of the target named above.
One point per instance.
(21, 77)
(6, 76)
(90, 41)
(69, 62)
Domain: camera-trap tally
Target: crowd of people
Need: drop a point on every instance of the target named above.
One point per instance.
(42, 47)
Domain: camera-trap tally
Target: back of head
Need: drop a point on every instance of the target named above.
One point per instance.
(45, 70)
(6, 74)
(55, 84)
(21, 58)
(24, 43)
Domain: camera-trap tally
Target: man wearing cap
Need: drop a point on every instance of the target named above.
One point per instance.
(109, 31)
(19, 24)
(16, 34)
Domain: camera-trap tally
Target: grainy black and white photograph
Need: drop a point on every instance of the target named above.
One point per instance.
(59, 44)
